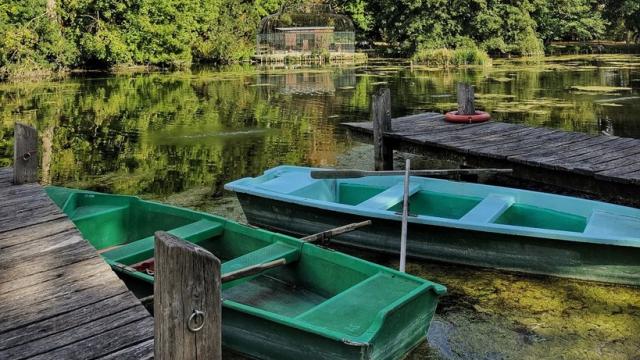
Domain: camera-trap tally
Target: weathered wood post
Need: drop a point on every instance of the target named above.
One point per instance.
(381, 122)
(25, 154)
(187, 305)
(466, 100)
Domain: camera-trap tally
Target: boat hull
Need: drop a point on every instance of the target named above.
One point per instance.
(528, 254)
(320, 304)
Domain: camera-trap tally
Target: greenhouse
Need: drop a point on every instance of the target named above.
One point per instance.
(306, 29)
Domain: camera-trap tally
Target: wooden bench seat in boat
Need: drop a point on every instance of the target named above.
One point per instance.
(605, 224)
(348, 313)
(489, 209)
(388, 198)
(194, 232)
(288, 184)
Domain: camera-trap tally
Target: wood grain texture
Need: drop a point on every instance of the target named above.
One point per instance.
(466, 99)
(25, 154)
(381, 119)
(604, 163)
(187, 279)
(58, 298)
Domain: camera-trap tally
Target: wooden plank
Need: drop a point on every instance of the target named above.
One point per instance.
(559, 147)
(68, 321)
(140, 351)
(34, 265)
(187, 281)
(50, 244)
(35, 232)
(555, 160)
(80, 332)
(48, 276)
(28, 217)
(25, 154)
(105, 343)
(58, 298)
(22, 312)
(502, 150)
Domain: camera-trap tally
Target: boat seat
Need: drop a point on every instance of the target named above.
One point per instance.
(194, 232)
(605, 224)
(388, 198)
(489, 209)
(288, 183)
(348, 313)
(268, 253)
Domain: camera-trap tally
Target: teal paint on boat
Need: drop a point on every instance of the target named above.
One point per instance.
(457, 222)
(321, 305)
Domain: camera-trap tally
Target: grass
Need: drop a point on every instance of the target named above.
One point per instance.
(451, 58)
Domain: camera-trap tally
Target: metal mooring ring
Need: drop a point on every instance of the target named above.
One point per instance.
(26, 156)
(196, 321)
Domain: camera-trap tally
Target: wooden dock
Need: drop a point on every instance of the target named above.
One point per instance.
(58, 298)
(605, 166)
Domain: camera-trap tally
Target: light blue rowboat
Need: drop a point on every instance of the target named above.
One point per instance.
(456, 222)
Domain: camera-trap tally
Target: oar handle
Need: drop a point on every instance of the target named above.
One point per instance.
(337, 174)
(326, 235)
(350, 174)
(252, 270)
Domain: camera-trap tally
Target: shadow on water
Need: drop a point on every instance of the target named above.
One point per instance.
(180, 137)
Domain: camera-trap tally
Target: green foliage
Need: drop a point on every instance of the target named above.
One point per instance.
(443, 57)
(175, 33)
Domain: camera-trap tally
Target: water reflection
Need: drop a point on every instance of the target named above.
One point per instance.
(160, 134)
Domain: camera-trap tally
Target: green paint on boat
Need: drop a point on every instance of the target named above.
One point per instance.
(321, 305)
(455, 222)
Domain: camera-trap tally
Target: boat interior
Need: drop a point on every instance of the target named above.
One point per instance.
(450, 200)
(315, 287)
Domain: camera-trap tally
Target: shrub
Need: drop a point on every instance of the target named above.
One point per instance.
(444, 57)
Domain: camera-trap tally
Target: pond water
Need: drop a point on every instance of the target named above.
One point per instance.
(179, 137)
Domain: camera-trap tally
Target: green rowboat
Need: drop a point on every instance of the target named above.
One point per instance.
(321, 305)
(456, 222)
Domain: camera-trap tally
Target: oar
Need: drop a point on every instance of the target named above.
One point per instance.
(352, 174)
(252, 270)
(326, 235)
(234, 275)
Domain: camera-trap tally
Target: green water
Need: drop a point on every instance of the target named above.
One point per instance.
(179, 137)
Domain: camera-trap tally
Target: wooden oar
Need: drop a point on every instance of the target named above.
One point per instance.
(352, 174)
(252, 270)
(326, 235)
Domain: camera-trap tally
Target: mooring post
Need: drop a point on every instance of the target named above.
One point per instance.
(466, 100)
(381, 122)
(25, 154)
(187, 306)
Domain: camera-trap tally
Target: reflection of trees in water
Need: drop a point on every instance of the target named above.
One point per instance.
(162, 134)
(143, 134)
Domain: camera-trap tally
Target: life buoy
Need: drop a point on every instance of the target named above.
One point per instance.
(454, 117)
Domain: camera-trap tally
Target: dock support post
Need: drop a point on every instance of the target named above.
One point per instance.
(466, 100)
(25, 154)
(187, 303)
(381, 122)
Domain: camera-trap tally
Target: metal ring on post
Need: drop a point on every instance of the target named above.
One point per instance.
(196, 321)
(26, 156)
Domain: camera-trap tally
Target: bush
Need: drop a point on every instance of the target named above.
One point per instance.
(529, 44)
(444, 57)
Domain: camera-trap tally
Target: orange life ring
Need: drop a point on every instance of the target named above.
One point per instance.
(480, 116)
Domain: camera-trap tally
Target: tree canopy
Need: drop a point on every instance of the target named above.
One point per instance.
(50, 35)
